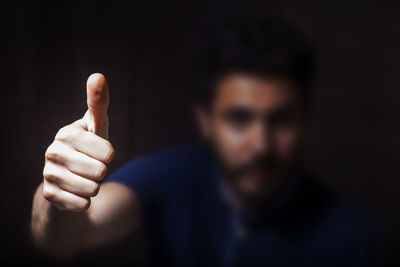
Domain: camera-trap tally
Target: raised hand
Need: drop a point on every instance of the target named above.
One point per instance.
(76, 160)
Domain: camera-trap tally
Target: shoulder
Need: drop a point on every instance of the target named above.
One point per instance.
(158, 172)
(344, 224)
(333, 207)
(166, 162)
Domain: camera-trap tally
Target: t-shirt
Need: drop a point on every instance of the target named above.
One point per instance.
(189, 221)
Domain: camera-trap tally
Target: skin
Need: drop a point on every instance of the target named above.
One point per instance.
(255, 125)
(72, 211)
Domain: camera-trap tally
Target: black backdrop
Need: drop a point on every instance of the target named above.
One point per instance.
(146, 50)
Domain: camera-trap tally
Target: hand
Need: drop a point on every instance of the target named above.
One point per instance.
(76, 160)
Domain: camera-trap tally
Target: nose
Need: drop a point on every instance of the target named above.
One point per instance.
(260, 139)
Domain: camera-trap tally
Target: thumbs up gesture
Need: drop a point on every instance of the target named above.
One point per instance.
(75, 163)
(97, 101)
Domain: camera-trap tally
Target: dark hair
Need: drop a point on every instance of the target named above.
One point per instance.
(267, 47)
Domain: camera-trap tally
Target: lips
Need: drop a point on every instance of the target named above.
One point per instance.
(257, 175)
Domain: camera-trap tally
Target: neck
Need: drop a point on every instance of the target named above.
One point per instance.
(254, 207)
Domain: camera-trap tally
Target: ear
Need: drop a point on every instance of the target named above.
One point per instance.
(203, 121)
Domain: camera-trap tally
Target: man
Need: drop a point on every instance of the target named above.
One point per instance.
(239, 197)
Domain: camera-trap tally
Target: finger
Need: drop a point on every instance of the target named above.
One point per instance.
(86, 142)
(64, 200)
(69, 181)
(76, 162)
(97, 101)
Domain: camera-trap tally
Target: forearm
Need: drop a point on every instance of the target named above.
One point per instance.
(71, 209)
(113, 213)
(60, 233)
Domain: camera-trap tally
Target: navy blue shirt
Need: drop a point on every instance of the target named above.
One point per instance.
(189, 221)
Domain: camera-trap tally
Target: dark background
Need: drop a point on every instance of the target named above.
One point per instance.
(147, 49)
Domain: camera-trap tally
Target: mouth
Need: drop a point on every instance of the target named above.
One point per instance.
(257, 175)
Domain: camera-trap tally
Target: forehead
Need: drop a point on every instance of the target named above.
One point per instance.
(253, 92)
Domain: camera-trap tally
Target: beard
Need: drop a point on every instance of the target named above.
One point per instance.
(255, 183)
(266, 172)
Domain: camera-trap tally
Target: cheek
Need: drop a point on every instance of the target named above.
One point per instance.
(231, 144)
(286, 142)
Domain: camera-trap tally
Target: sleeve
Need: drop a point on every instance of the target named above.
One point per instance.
(370, 249)
(149, 177)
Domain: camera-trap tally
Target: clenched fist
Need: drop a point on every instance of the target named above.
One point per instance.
(76, 160)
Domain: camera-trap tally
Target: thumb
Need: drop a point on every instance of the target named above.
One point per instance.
(97, 101)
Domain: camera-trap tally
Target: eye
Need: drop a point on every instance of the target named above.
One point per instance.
(238, 117)
(281, 118)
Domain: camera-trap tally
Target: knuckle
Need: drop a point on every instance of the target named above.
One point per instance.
(83, 204)
(62, 134)
(102, 171)
(94, 189)
(53, 156)
(67, 133)
(45, 170)
(50, 174)
(50, 177)
(48, 193)
(109, 153)
(52, 153)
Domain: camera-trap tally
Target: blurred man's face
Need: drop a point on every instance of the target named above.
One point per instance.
(255, 125)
